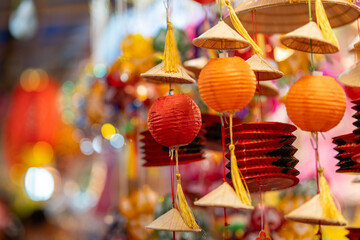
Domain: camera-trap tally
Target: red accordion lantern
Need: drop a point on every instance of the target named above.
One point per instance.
(174, 120)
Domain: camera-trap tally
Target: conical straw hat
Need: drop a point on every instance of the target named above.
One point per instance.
(262, 69)
(222, 196)
(267, 89)
(171, 221)
(157, 75)
(221, 37)
(357, 45)
(357, 179)
(195, 65)
(300, 38)
(281, 16)
(311, 212)
(350, 77)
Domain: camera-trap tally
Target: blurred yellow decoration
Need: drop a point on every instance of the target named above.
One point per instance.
(95, 106)
(334, 233)
(33, 80)
(37, 155)
(140, 50)
(107, 130)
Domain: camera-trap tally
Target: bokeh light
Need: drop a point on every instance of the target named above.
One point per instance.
(142, 92)
(33, 80)
(86, 146)
(39, 184)
(97, 144)
(100, 70)
(107, 130)
(117, 141)
(38, 154)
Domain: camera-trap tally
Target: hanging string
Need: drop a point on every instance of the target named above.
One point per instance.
(240, 28)
(221, 10)
(312, 68)
(184, 208)
(172, 173)
(239, 183)
(223, 158)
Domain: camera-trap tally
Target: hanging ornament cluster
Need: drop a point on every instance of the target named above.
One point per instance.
(265, 155)
(348, 146)
(156, 155)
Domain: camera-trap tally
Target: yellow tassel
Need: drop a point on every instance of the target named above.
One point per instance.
(238, 180)
(184, 208)
(330, 210)
(240, 28)
(171, 53)
(323, 23)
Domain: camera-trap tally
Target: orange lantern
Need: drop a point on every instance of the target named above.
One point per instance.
(316, 103)
(227, 84)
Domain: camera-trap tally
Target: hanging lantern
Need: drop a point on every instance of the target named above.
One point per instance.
(316, 103)
(174, 120)
(227, 84)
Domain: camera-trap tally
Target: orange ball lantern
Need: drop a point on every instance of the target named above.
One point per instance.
(316, 103)
(174, 120)
(227, 84)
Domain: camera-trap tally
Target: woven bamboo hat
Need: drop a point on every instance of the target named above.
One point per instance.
(223, 196)
(195, 65)
(262, 69)
(281, 16)
(157, 75)
(308, 38)
(311, 212)
(267, 89)
(221, 37)
(357, 45)
(350, 77)
(171, 221)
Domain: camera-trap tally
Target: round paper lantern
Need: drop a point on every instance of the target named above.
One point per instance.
(227, 84)
(174, 120)
(316, 103)
(205, 1)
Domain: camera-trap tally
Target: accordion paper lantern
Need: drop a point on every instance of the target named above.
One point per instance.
(316, 103)
(227, 84)
(174, 120)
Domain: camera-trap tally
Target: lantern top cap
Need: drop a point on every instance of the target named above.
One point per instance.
(221, 37)
(311, 212)
(262, 69)
(157, 75)
(308, 38)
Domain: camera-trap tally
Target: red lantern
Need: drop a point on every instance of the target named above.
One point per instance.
(174, 120)
(205, 1)
(352, 92)
(33, 117)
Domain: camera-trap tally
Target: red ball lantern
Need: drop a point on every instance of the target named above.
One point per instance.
(205, 1)
(174, 120)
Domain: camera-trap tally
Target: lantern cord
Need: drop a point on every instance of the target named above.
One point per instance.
(223, 158)
(221, 10)
(238, 180)
(184, 208)
(171, 53)
(312, 68)
(172, 173)
(240, 28)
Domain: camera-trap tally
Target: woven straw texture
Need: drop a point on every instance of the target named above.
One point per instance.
(156, 75)
(262, 69)
(279, 16)
(308, 38)
(221, 37)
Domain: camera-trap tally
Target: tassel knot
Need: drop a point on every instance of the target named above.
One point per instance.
(232, 147)
(178, 178)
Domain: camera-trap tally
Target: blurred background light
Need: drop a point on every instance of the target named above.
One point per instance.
(117, 141)
(86, 146)
(39, 184)
(107, 130)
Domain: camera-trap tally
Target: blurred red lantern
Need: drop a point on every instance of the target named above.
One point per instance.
(205, 1)
(33, 115)
(122, 72)
(352, 92)
(174, 120)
